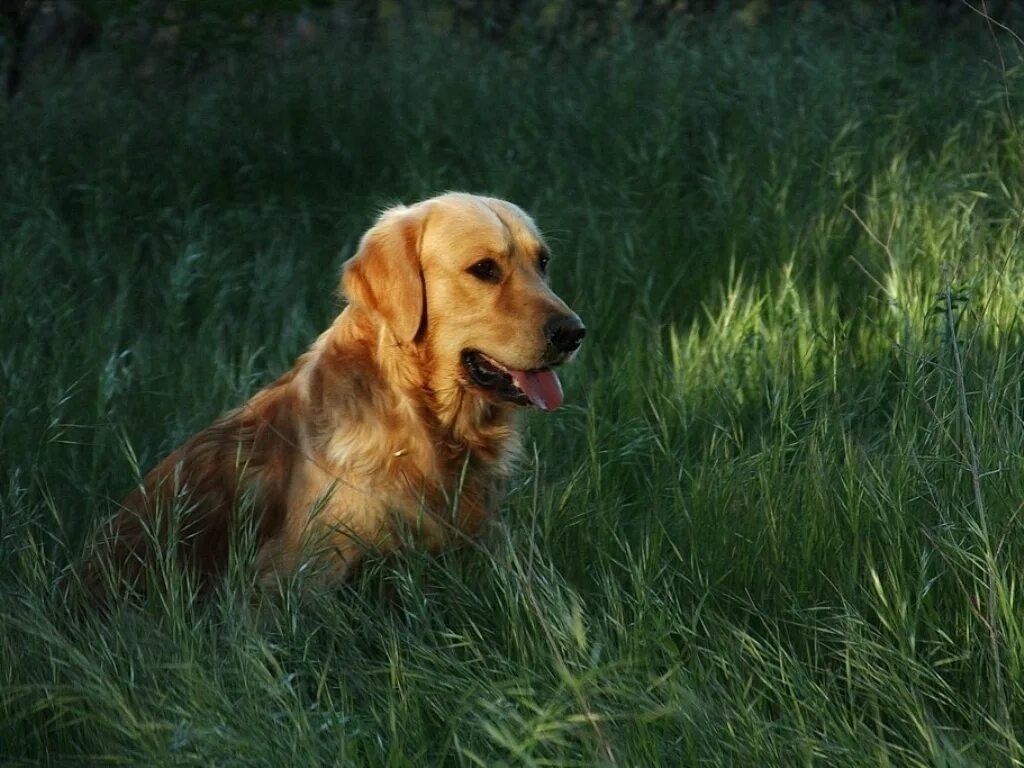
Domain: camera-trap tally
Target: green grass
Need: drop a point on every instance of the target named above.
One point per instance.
(752, 536)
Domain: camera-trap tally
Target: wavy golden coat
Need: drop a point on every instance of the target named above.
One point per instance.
(399, 416)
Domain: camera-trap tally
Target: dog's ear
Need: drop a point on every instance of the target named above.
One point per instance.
(385, 275)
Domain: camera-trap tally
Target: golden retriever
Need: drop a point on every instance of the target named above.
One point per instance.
(400, 417)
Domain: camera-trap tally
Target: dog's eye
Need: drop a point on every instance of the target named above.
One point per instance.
(543, 261)
(486, 270)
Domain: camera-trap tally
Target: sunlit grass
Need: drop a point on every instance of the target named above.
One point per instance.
(751, 536)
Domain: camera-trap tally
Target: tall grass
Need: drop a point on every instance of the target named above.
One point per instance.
(778, 520)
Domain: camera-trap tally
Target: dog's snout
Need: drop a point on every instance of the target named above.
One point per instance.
(565, 332)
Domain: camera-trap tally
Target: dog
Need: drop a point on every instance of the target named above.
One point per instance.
(400, 417)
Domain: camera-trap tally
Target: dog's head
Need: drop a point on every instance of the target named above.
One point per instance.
(461, 281)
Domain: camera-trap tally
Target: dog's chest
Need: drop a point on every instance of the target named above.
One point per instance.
(375, 472)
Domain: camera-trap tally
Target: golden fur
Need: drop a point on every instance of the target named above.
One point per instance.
(376, 428)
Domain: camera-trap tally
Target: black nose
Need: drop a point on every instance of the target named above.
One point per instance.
(565, 333)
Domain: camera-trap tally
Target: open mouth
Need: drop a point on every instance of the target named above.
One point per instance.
(539, 387)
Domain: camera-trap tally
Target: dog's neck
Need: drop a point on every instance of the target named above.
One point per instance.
(421, 387)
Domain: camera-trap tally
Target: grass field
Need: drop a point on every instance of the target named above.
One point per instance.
(777, 522)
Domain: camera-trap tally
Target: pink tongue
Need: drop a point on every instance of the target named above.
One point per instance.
(542, 387)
